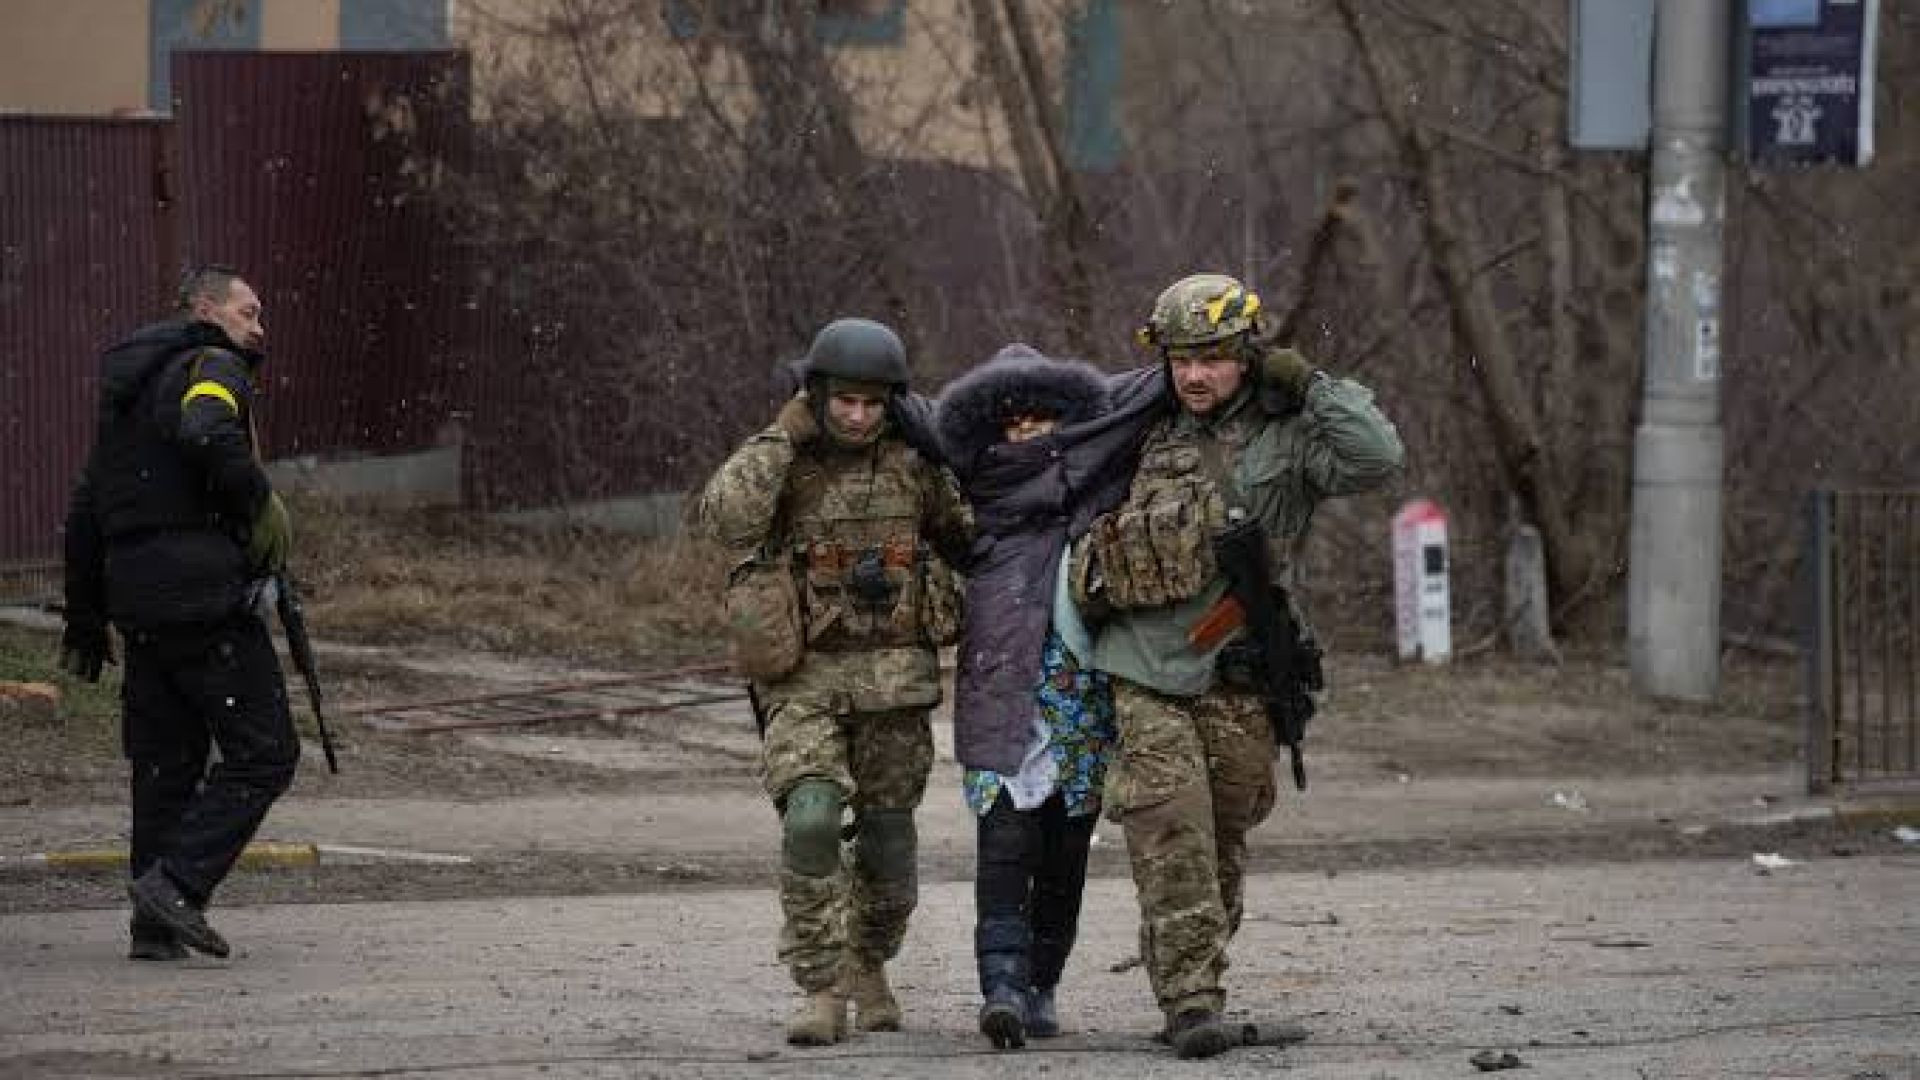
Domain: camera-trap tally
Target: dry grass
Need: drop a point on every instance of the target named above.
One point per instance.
(384, 576)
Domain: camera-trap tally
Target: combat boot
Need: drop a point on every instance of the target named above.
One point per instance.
(1199, 1033)
(821, 1020)
(873, 1003)
(158, 901)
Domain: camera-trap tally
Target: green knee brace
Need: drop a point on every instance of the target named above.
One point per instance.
(885, 847)
(810, 828)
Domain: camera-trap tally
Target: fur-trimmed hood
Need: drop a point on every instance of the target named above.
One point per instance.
(971, 412)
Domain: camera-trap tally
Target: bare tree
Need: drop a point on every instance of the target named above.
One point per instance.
(1010, 56)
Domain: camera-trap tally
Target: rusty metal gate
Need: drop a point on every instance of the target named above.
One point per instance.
(1863, 725)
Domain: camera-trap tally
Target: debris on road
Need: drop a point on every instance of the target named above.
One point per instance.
(1907, 834)
(1496, 1060)
(34, 703)
(1768, 862)
(1569, 800)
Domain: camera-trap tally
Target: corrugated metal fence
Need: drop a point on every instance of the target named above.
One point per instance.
(1864, 658)
(296, 168)
(86, 253)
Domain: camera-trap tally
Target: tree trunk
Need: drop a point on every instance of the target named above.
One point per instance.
(1477, 326)
(1025, 94)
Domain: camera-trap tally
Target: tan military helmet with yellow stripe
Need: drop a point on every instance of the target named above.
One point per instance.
(1199, 310)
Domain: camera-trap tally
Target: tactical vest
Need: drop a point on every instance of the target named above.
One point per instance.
(852, 524)
(1253, 460)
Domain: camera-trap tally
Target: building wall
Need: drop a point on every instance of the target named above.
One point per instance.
(74, 57)
(909, 65)
(113, 57)
(908, 68)
(300, 24)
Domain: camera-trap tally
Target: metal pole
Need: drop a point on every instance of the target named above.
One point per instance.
(1673, 589)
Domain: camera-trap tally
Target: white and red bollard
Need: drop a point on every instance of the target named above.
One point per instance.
(1423, 609)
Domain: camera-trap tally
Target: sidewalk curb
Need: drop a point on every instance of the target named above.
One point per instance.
(264, 853)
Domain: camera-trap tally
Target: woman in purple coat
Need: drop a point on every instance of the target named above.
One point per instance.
(1041, 447)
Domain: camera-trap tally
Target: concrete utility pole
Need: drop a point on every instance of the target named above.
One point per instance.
(1673, 587)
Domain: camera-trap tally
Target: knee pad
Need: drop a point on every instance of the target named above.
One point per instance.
(886, 844)
(810, 828)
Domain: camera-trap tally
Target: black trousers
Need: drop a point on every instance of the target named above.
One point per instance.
(1029, 874)
(187, 692)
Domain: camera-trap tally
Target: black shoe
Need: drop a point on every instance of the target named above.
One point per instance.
(1043, 1022)
(156, 949)
(148, 941)
(1198, 1033)
(157, 900)
(1003, 1019)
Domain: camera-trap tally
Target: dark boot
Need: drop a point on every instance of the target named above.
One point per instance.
(151, 941)
(1003, 1019)
(1199, 1033)
(1000, 946)
(157, 900)
(1043, 1022)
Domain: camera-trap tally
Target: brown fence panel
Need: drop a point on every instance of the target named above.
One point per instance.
(85, 255)
(299, 169)
(1863, 691)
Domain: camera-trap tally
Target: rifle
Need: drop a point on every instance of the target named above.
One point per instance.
(1285, 663)
(293, 619)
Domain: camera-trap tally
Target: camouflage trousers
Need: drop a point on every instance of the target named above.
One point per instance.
(880, 760)
(1193, 777)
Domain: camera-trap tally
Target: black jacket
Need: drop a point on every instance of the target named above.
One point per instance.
(159, 518)
(1028, 500)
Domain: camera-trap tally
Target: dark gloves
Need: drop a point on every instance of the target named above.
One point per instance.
(270, 538)
(1287, 371)
(85, 648)
(796, 419)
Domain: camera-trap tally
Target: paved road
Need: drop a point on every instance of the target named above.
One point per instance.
(1701, 968)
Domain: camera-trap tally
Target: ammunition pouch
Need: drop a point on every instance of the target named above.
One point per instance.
(895, 592)
(1157, 548)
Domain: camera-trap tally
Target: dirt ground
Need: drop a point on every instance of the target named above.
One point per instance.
(1448, 735)
(1479, 717)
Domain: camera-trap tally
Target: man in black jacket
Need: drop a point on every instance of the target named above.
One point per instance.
(170, 525)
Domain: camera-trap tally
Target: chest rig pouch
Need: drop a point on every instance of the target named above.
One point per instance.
(866, 578)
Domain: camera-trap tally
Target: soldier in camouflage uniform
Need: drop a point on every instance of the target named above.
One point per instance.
(1260, 434)
(832, 487)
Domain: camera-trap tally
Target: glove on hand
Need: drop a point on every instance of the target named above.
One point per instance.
(1287, 371)
(796, 419)
(84, 649)
(271, 537)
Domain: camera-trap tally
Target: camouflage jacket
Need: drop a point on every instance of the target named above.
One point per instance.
(862, 528)
(1276, 469)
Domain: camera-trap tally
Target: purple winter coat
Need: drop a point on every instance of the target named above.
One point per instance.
(1029, 499)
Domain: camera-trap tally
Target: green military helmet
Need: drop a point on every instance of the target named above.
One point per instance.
(1199, 310)
(858, 350)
